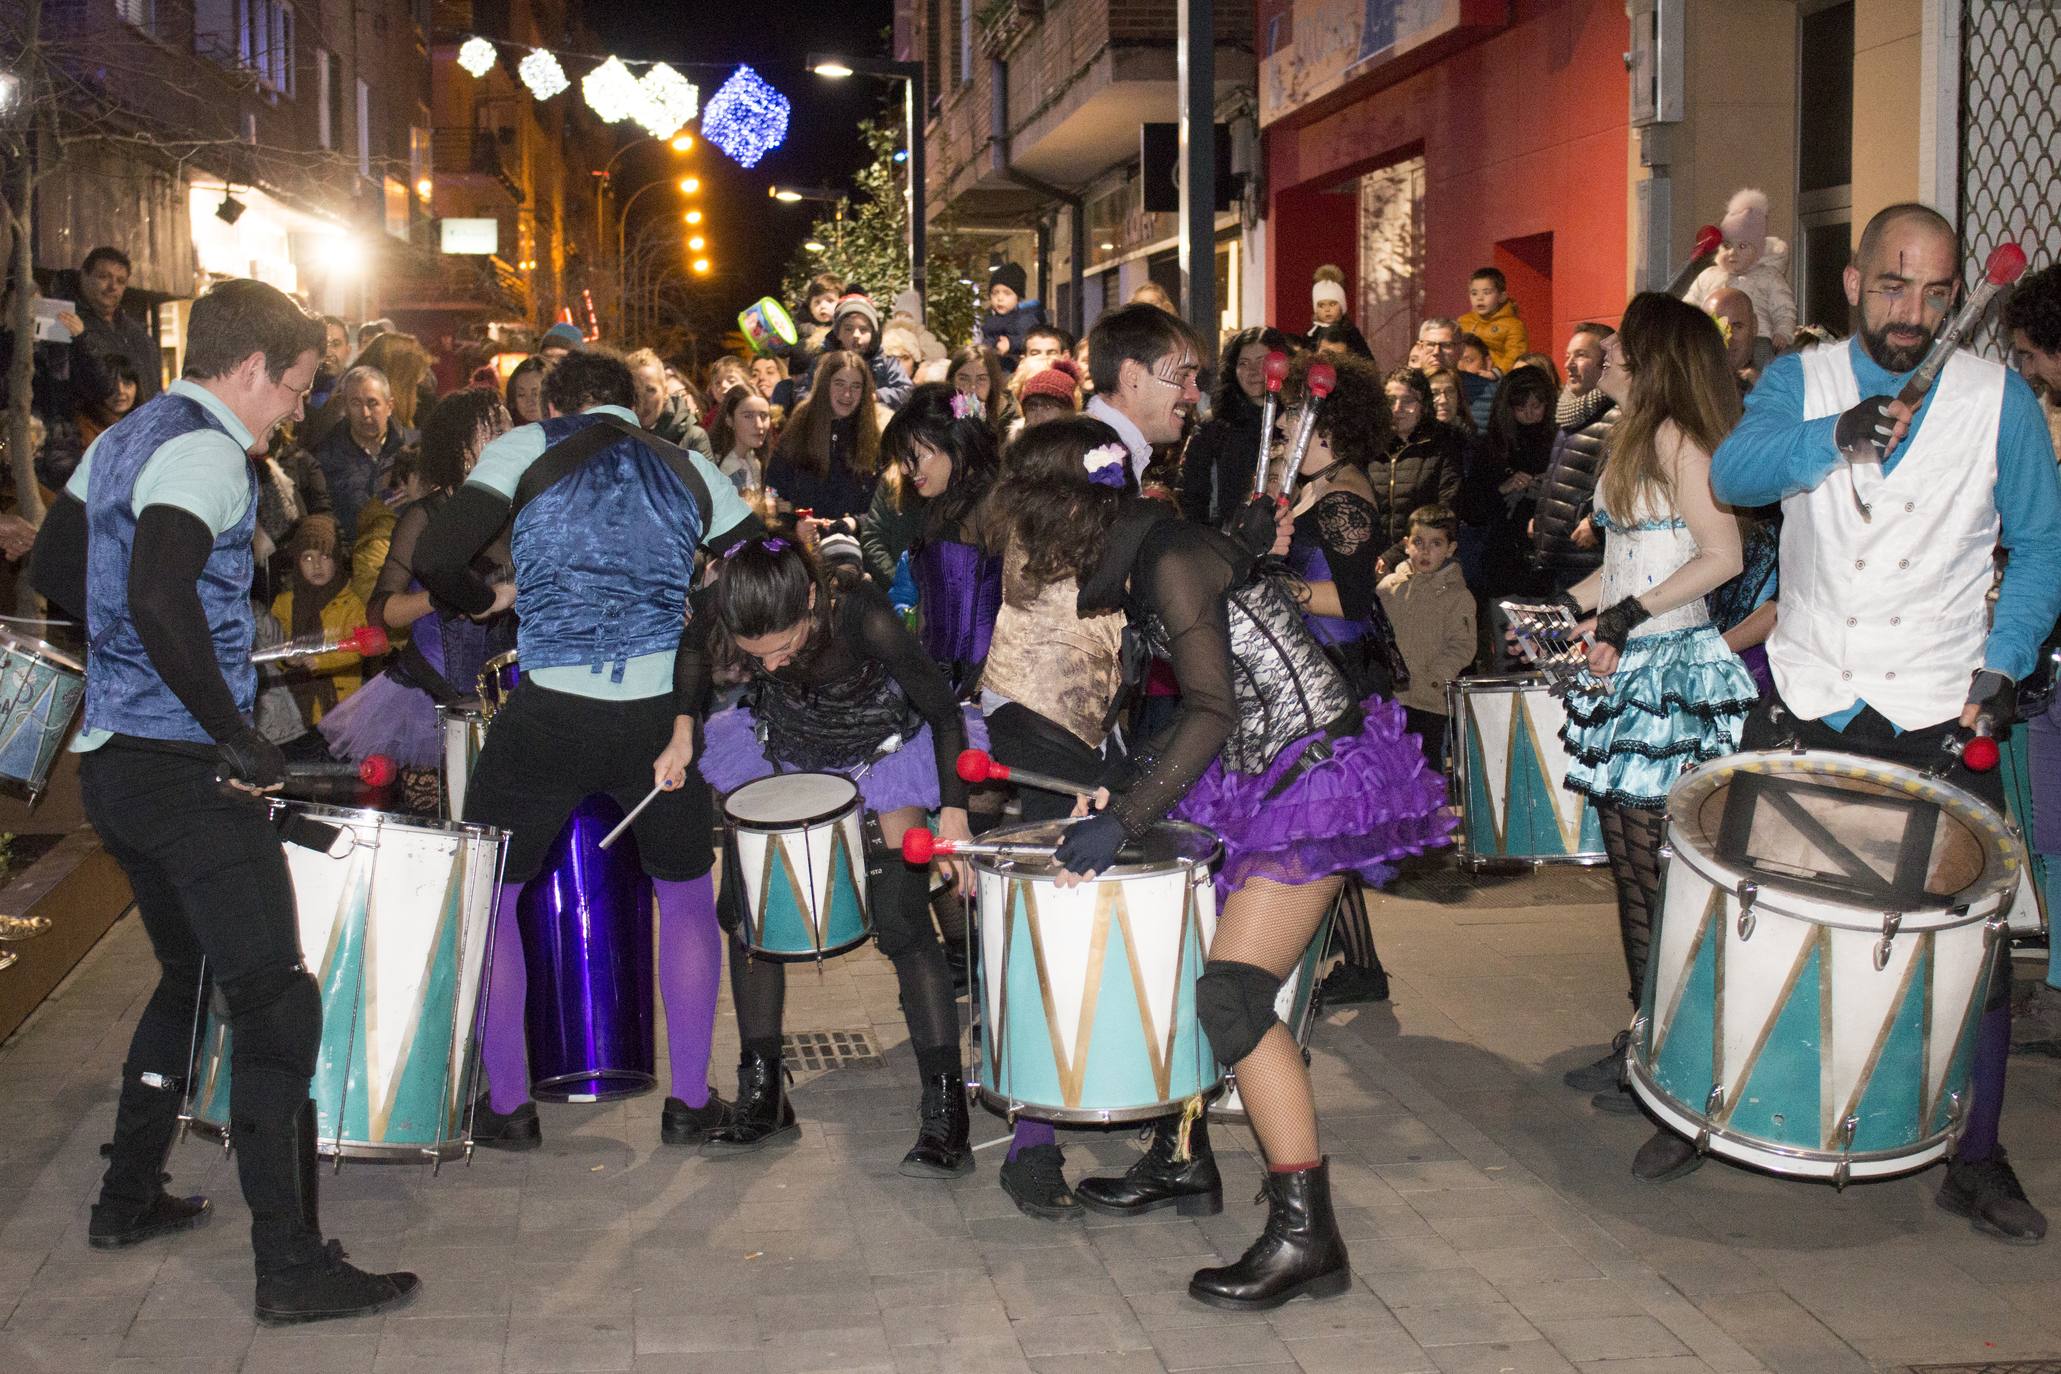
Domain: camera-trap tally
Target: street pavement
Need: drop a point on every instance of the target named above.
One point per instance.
(1493, 1222)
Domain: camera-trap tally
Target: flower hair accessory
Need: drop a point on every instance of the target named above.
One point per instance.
(1105, 464)
(771, 544)
(965, 406)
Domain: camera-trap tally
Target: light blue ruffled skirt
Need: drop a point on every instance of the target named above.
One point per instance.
(1676, 700)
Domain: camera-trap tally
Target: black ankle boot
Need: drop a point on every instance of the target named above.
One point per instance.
(516, 1130)
(680, 1124)
(1299, 1254)
(941, 1149)
(133, 1204)
(300, 1278)
(762, 1115)
(1191, 1186)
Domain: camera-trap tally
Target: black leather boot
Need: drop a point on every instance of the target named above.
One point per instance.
(134, 1205)
(515, 1131)
(942, 1149)
(1300, 1254)
(762, 1115)
(300, 1278)
(1191, 1187)
(680, 1124)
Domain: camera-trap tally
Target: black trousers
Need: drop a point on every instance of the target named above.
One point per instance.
(1021, 738)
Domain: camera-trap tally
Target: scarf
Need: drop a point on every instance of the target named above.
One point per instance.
(312, 689)
(1579, 412)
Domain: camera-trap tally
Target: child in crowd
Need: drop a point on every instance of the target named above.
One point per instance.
(1330, 327)
(1433, 613)
(1010, 317)
(1756, 263)
(318, 601)
(1493, 320)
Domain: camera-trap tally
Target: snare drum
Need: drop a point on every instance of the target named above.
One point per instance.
(1087, 993)
(41, 691)
(1511, 774)
(1822, 956)
(464, 732)
(2031, 909)
(1296, 1003)
(394, 920)
(499, 676)
(796, 848)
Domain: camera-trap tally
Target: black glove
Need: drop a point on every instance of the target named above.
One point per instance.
(1862, 434)
(1566, 600)
(1615, 623)
(1090, 845)
(248, 757)
(1253, 526)
(1994, 696)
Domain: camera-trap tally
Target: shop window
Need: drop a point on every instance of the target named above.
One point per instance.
(141, 14)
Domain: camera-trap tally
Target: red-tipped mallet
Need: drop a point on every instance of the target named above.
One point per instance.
(1318, 382)
(374, 770)
(2006, 264)
(920, 846)
(367, 641)
(975, 765)
(1277, 373)
(1976, 748)
(1708, 240)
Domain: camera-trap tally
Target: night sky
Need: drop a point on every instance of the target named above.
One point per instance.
(750, 236)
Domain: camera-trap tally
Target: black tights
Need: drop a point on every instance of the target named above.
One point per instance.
(1631, 838)
(1351, 934)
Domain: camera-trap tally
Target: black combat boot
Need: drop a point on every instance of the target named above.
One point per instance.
(1162, 1179)
(762, 1115)
(1299, 1254)
(942, 1149)
(134, 1205)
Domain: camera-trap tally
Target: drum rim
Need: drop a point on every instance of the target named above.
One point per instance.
(1087, 1116)
(1969, 900)
(782, 827)
(41, 649)
(1006, 865)
(1493, 683)
(474, 711)
(394, 819)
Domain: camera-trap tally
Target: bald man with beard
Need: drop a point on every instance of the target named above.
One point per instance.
(1733, 310)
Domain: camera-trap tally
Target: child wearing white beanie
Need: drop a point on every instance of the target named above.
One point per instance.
(1327, 296)
(1756, 263)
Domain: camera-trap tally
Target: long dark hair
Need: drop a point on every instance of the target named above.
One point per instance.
(1231, 398)
(998, 384)
(927, 419)
(805, 441)
(723, 435)
(762, 588)
(1356, 420)
(451, 435)
(533, 363)
(1519, 384)
(1679, 373)
(1046, 503)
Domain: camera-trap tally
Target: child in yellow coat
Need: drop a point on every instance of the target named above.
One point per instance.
(318, 601)
(1494, 319)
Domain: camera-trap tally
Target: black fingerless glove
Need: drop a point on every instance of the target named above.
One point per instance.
(1090, 845)
(1995, 696)
(1862, 434)
(1566, 601)
(1615, 623)
(1253, 526)
(248, 757)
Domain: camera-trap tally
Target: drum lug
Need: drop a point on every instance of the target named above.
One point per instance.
(1844, 1169)
(1957, 1116)
(1891, 922)
(1711, 1104)
(1749, 893)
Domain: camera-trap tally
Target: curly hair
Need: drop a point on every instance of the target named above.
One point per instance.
(1046, 502)
(1230, 397)
(2035, 307)
(453, 434)
(1355, 418)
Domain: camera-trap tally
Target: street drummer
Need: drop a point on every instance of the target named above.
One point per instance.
(607, 519)
(170, 493)
(1885, 646)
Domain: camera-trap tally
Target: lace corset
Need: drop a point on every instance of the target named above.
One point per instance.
(1638, 557)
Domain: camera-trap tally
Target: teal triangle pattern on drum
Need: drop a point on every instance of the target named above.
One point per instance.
(1780, 1098)
(1480, 810)
(1962, 1066)
(846, 898)
(784, 919)
(423, 1109)
(1118, 1049)
(340, 1074)
(1194, 1058)
(1032, 1070)
(1893, 1099)
(1533, 826)
(1685, 1065)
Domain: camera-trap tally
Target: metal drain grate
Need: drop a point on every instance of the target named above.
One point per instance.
(817, 1051)
(1989, 1367)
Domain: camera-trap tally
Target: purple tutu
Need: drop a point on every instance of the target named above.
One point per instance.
(732, 756)
(1373, 801)
(389, 717)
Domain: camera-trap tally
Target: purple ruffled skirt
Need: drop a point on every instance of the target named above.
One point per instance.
(385, 716)
(1372, 802)
(732, 756)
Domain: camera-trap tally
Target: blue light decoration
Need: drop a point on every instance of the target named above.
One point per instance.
(747, 118)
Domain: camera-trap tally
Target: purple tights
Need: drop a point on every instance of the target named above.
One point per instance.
(1031, 1133)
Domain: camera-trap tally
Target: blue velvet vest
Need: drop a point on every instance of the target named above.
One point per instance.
(123, 691)
(604, 558)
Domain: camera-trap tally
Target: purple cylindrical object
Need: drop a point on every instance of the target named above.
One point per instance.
(586, 941)
(959, 589)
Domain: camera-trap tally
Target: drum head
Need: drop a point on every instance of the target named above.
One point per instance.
(35, 648)
(1856, 831)
(1170, 844)
(791, 799)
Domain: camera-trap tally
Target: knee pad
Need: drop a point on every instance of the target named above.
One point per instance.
(1235, 1005)
(277, 1014)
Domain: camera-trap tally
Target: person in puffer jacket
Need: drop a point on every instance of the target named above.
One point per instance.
(1565, 546)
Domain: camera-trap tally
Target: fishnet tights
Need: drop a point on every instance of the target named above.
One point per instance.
(1269, 925)
(1632, 838)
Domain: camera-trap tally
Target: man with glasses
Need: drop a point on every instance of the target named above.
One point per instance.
(1145, 364)
(1890, 516)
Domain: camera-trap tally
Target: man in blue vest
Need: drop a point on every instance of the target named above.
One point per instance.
(607, 518)
(152, 538)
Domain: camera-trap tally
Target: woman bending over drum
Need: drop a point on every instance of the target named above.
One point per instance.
(1270, 749)
(839, 685)
(1676, 695)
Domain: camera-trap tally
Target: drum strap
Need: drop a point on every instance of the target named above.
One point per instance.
(305, 831)
(1316, 749)
(561, 459)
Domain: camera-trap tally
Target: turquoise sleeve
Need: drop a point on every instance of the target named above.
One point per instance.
(725, 505)
(203, 473)
(503, 462)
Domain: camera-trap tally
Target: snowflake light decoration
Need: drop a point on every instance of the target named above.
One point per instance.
(747, 118)
(476, 56)
(670, 100)
(612, 92)
(542, 74)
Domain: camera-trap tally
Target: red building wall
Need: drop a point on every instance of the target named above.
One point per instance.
(1525, 133)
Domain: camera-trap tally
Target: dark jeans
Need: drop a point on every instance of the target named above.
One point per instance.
(1021, 738)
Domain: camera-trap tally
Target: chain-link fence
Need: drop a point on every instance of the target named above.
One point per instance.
(2010, 134)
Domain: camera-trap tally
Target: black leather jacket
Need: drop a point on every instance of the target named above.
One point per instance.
(1567, 495)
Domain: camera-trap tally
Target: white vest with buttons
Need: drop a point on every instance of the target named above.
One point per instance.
(1893, 611)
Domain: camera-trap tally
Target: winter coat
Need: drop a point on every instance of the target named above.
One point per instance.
(344, 613)
(832, 494)
(891, 385)
(1217, 469)
(1423, 470)
(1433, 615)
(1766, 284)
(1027, 315)
(1566, 496)
(1502, 331)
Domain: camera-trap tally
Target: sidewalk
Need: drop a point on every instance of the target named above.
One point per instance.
(1494, 1224)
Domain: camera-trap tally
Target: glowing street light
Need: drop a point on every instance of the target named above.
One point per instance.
(832, 67)
(784, 195)
(701, 267)
(682, 142)
(692, 217)
(423, 187)
(812, 246)
(696, 244)
(689, 185)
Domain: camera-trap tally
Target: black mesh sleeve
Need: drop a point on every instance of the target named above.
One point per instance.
(165, 565)
(1180, 579)
(877, 632)
(57, 563)
(1346, 524)
(398, 571)
(444, 551)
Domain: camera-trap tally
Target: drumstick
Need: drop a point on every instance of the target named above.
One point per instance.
(367, 641)
(1277, 373)
(920, 846)
(1708, 240)
(976, 765)
(649, 797)
(2006, 264)
(375, 770)
(1318, 382)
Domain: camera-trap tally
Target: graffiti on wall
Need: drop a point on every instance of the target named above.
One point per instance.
(1325, 43)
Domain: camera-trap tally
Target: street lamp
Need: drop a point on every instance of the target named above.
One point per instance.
(910, 74)
(689, 185)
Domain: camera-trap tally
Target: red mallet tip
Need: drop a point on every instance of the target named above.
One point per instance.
(918, 845)
(1322, 378)
(1980, 754)
(369, 640)
(2006, 264)
(1708, 240)
(1277, 369)
(974, 765)
(377, 771)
